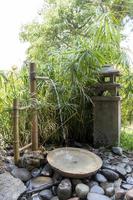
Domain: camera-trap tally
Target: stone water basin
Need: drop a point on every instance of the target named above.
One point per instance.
(74, 162)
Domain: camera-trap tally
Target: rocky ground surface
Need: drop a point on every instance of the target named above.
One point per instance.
(34, 179)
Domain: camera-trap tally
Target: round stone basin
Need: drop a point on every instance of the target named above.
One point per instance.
(74, 162)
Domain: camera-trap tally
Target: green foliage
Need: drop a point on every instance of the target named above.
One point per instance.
(75, 38)
(11, 86)
(127, 96)
(127, 138)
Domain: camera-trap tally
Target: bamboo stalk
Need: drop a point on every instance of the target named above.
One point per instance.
(25, 147)
(25, 107)
(42, 78)
(16, 130)
(34, 126)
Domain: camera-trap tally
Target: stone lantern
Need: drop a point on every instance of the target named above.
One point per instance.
(106, 109)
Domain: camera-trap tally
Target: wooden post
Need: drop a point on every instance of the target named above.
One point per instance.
(34, 123)
(16, 130)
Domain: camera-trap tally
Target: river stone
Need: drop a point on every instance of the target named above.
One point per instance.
(40, 181)
(82, 190)
(117, 183)
(55, 198)
(21, 173)
(110, 157)
(10, 188)
(57, 177)
(64, 189)
(54, 190)
(113, 197)
(9, 159)
(97, 189)
(122, 164)
(129, 195)
(119, 194)
(9, 167)
(95, 196)
(46, 194)
(125, 160)
(35, 197)
(109, 174)
(31, 160)
(76, 182)
(127, 186)
(35, 172)
(129, 180)
(47, 170)
(110, 191)
(100, 178)
(121, 170)
(108, 166)
(106, 185)
(86, 180)
(92, 183)
(128, 169)
(117, 150)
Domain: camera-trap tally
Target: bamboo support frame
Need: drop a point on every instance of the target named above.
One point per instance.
(34, 123)
(25, 107)
(42, 78)
(17, 150)
(25, 147)
(16, 130)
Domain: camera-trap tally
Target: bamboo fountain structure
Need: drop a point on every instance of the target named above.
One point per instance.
(34, 123)
(78, 162)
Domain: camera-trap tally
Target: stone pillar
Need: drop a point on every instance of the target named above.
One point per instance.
(107, 120)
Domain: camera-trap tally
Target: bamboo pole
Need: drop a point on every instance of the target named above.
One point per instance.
(16, 130)
(25, 108)
(25, 147)
(42, 78)
(34, 123)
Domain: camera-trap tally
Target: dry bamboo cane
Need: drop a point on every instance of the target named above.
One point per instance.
(25, 147)
(16, 130)
(34, 124)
